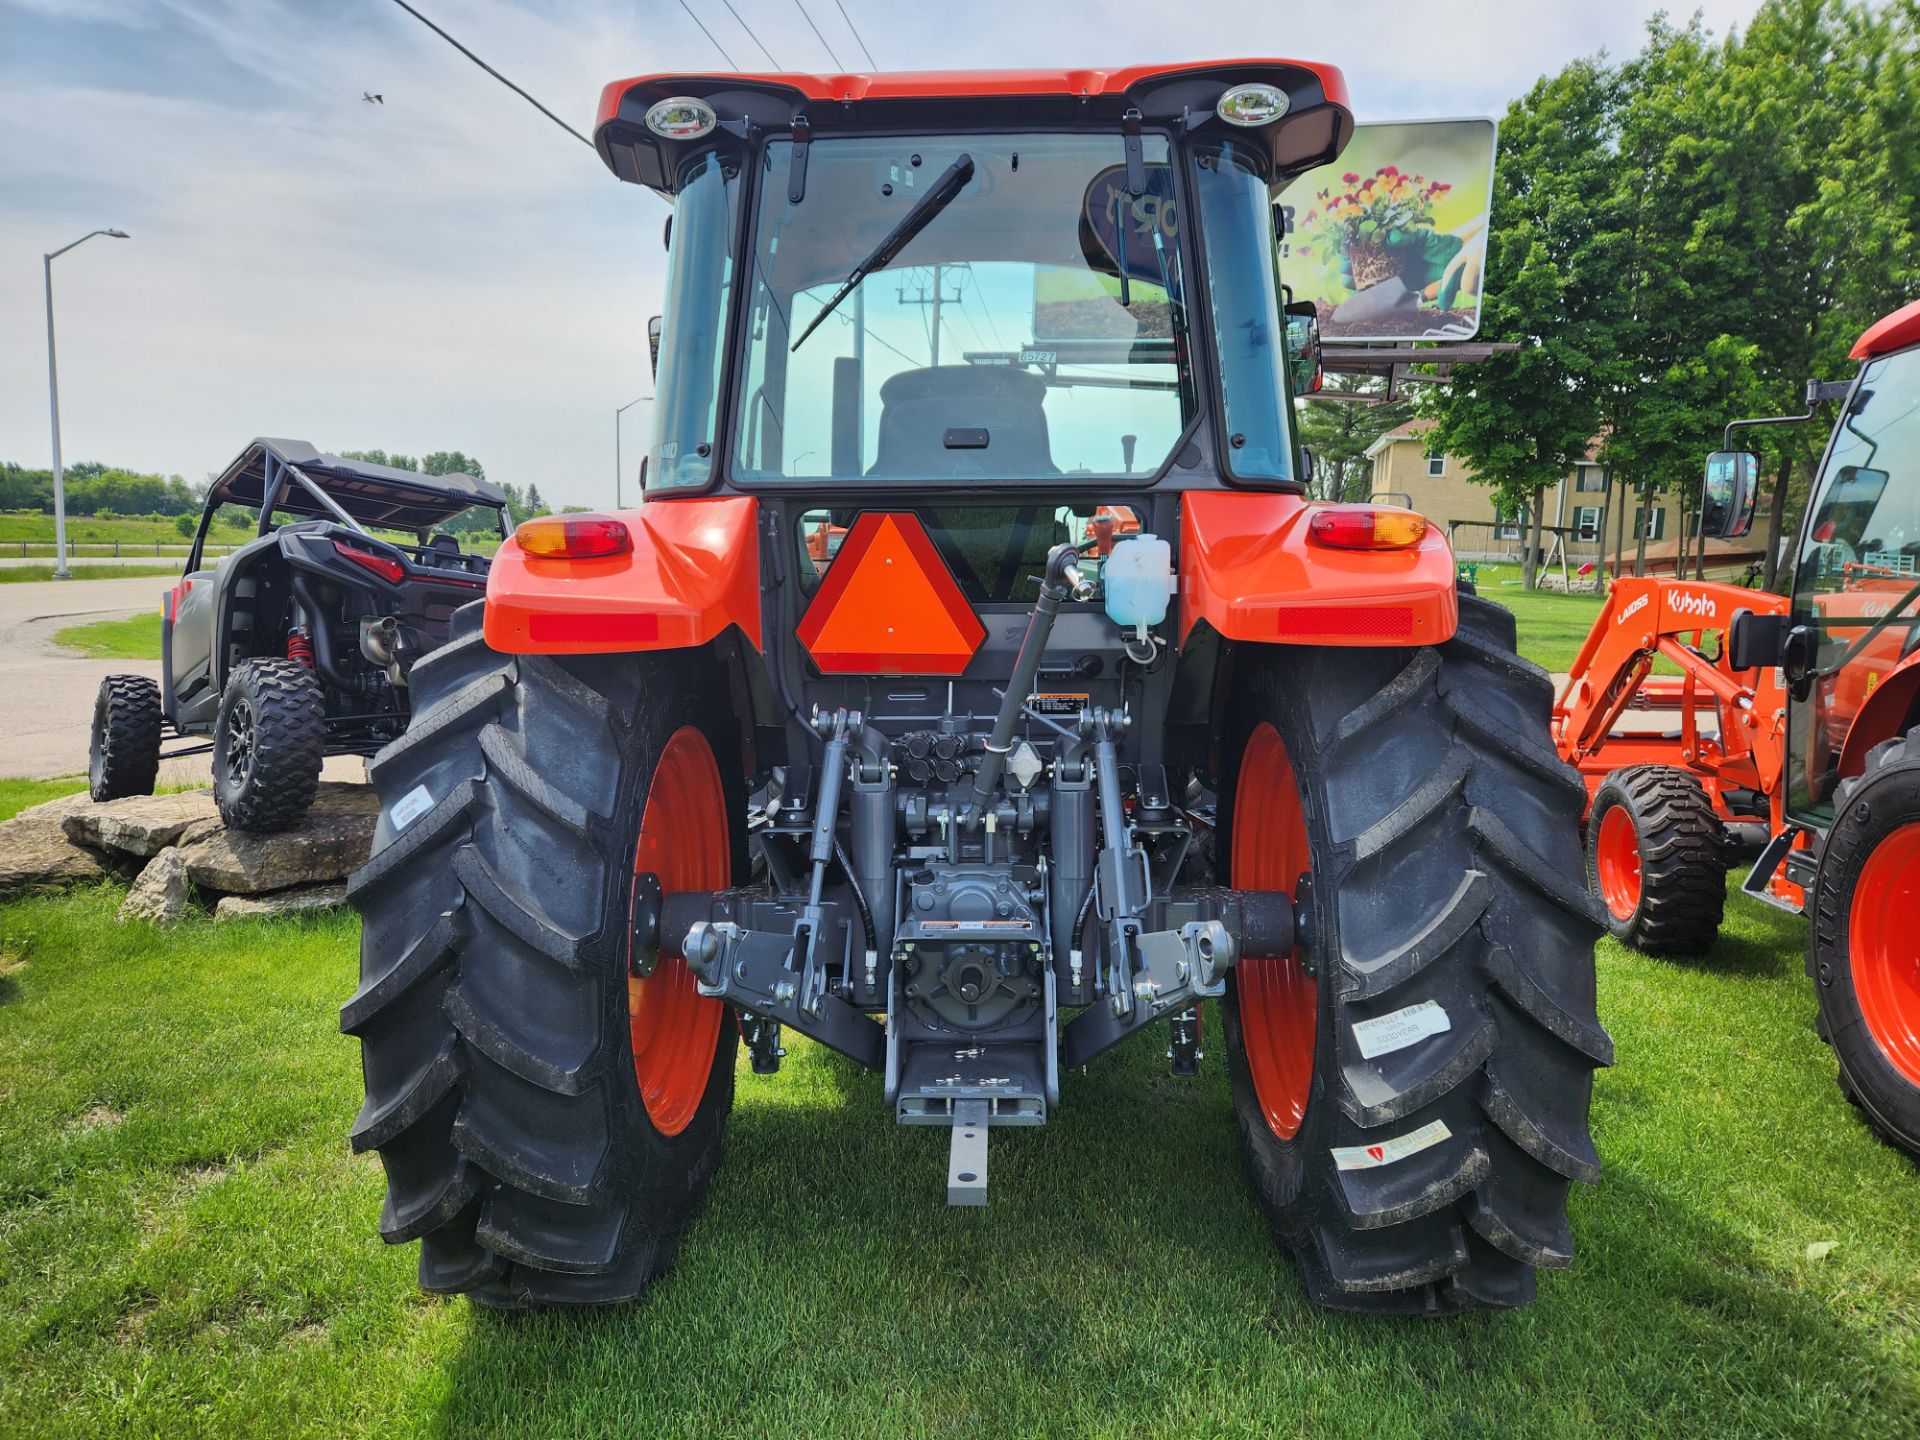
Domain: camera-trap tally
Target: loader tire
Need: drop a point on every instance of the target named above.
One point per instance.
(533, 1157)
(1412, 1085)
(269, 742)
(1656, 859)
(124, 756)
(1864, 944)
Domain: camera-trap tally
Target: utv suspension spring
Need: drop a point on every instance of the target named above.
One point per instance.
(300, 646)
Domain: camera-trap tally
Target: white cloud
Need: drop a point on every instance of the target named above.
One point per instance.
(448, 269)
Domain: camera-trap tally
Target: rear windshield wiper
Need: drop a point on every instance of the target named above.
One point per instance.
(911, 224)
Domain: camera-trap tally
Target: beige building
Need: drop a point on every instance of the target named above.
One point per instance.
(1442, 488)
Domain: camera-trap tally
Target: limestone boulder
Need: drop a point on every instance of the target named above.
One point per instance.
(297, 901)
(36, 855)
(161, 892)
(327, 845)
(141, 824)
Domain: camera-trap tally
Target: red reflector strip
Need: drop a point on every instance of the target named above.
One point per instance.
(1378, 622)
(594, 629)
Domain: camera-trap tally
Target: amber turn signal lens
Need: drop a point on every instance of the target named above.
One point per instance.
(1366, 527)
(573, 537)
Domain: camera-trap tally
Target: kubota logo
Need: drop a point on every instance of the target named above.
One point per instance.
(1685, 602)
(1632, 610)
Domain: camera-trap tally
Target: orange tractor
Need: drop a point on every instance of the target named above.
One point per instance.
(971, 711)
(1791, 735)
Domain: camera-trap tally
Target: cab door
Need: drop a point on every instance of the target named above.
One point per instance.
(1856, 582)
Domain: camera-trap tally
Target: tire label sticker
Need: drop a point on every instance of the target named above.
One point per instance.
(410, 807)
(1366, 1157)
(1385, 1034)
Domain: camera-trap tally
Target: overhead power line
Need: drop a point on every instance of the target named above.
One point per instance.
(817, 35)
(856, 34)
(750, 35)
(731, 63)
(494, 73)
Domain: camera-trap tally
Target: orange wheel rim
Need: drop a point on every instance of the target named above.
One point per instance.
(1884, 948)
(1278, 1000)
(684, 842)
(1616, 859)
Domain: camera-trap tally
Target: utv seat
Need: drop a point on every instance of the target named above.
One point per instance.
(919, 407)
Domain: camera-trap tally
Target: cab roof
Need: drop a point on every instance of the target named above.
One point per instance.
(1889, 333)
(1314, 130)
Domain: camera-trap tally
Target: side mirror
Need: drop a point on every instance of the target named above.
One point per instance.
(653, 343)
(1303, 347)
(1729, 494)
(1756, 641)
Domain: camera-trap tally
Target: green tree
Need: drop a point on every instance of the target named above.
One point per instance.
(1523, 419)
(452, 462)
(1339, 433)
(395, 461)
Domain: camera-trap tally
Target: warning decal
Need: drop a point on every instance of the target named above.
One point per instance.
(1385, 1034)
(1365, 1157)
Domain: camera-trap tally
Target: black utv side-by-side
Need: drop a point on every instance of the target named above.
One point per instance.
(297, 645)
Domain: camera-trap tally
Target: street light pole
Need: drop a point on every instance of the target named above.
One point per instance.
(617, 475)
(60, 570)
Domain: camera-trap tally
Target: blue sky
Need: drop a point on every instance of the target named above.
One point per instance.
(448, 269)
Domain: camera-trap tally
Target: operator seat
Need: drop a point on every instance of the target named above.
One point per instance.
(919, 407)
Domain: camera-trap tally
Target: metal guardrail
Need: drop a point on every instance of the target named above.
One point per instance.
(118, 549)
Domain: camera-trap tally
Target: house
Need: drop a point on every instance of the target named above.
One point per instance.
(1581, 511)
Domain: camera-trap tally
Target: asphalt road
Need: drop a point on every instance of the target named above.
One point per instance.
(46, 694)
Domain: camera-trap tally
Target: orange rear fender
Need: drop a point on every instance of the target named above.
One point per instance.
(693, 571)
(1248, 570)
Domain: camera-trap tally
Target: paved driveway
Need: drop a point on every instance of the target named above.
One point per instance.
(46, 694)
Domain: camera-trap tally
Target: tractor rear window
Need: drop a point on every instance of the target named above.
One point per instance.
(1035, 326)
(995, 552)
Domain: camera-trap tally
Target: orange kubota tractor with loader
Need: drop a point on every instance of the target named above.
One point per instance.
(972, 711)
(1790, 737)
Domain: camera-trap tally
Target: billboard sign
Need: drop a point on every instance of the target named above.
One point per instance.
(1390, 241)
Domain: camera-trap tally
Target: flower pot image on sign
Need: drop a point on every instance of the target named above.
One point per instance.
(1390, 241)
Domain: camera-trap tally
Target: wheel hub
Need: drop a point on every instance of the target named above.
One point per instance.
(1885, 950)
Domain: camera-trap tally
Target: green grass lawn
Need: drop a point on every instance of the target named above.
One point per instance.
(21, 574)
(17, 795)
(18, 525)
(135, 638)
(187, 1246)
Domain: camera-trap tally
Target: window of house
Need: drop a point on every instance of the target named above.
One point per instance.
(1512, 520)
(1436, 465)
(1591, 479)
(1586, 521)
(1654, 523)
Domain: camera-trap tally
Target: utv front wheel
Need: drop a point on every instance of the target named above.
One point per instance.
(548, 1118)
(269, 741)
(124, 756)
(1412, 1085)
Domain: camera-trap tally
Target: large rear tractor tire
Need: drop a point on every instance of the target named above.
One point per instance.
(124, 756)
(1864, 948)
(269, 742)
(1656, 859)
(548, 1120)
(1412, 1085)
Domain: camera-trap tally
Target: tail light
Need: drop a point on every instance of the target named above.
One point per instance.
(385, 566)
(574, 537)
(1366, 527)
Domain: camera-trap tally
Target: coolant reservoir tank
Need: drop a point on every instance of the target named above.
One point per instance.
(1137, 579)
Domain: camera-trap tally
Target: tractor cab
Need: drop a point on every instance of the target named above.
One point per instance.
(1849, 648)
(968, 282)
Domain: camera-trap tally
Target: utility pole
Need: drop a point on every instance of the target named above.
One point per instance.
(936, 301)
(60, 570)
